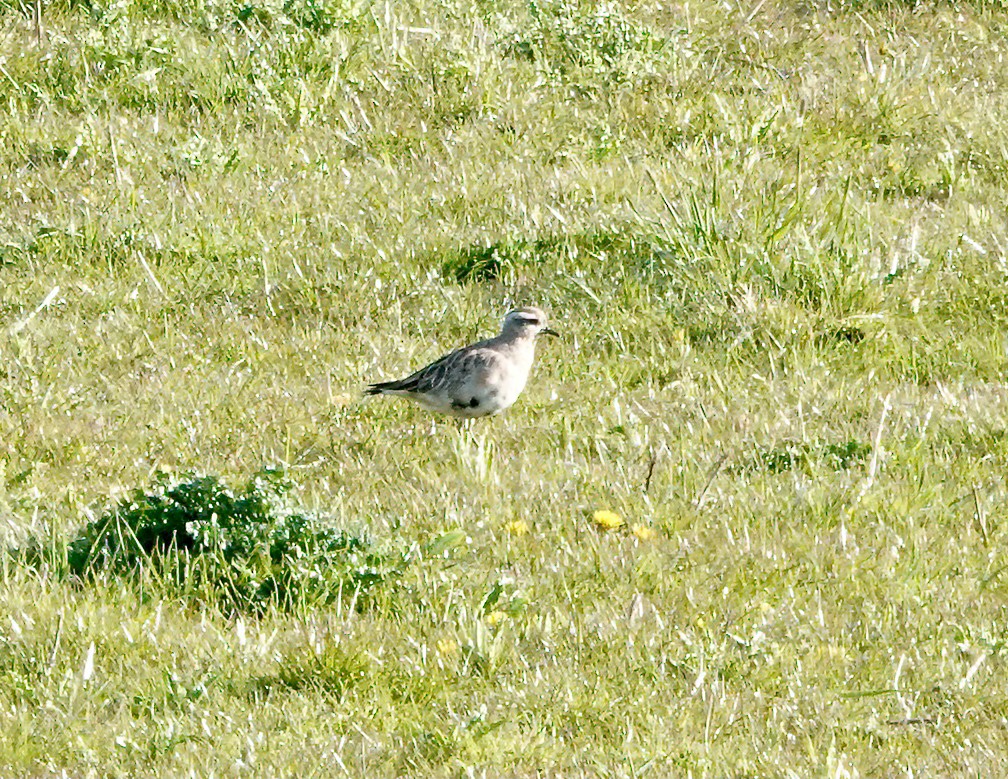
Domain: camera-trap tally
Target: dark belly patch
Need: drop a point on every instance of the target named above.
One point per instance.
(472, 403)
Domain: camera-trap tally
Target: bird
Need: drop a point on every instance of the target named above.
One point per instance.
(478, 380)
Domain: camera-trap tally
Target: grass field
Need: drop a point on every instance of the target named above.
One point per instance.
(773, 235)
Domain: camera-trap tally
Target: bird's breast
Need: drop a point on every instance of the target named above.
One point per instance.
(514, 375)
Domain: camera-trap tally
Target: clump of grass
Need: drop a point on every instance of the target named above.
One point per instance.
(499, 261)
(334, 669)
(242, 549)
(844, 334)
(314, 15)
(478, 263)
(566, 36)
(796, 455)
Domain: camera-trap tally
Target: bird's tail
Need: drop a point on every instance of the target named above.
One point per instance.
(381, 386)
(409, 384)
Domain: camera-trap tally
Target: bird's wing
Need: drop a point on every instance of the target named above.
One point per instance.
(456, 371)
(447, 374)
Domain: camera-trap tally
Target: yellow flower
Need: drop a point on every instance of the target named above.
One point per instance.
(494, 618)
(447, 647)
(517, 527)
(643, 532)
(607, 520)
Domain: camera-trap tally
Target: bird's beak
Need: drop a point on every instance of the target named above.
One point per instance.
(549, 331)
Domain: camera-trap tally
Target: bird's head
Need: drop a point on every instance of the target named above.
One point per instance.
(526, 323)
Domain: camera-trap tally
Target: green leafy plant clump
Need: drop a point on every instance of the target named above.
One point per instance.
(243, 549)
(798, 455)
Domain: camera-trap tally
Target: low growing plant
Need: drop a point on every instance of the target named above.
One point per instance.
(243, 549)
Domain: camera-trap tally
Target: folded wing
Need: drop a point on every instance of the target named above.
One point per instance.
(454, 373)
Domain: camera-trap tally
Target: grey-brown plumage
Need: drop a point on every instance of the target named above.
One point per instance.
(480, 379)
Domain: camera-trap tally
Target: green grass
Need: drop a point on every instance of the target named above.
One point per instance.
(774, 236)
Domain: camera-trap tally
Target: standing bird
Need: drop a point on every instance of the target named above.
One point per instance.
(480, 379)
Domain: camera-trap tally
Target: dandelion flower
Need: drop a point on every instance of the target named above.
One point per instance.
(447, 647)
(494, 618)
(607, 520)
(517, 527)
(643, 532)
